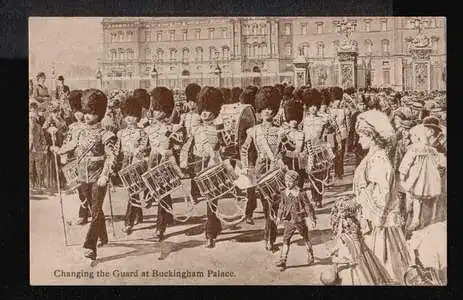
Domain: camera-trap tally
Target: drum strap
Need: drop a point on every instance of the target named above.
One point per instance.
(87, 150)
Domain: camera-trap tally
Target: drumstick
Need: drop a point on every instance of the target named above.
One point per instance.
(53, 140)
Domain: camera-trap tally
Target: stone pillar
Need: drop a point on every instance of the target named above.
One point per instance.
(420, 51)
(347, 60)
(301, 76)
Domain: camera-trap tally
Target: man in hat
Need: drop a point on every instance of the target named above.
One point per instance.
(132, 144)
(266, 138)
(159, 132)
(206, 143)
(37, 148)
(95, 146)
(417, 107)
(62, 91)
(437, 139)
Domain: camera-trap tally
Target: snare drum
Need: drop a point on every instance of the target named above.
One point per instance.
(214, 181)
(162, 180)
(319, 157)
(131, 177)
(271, 184)
(71, 174)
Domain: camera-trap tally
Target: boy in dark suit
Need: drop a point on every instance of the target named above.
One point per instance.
(295, 207)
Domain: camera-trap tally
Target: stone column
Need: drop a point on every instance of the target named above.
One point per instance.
(421, 63)
(300, 72)
(347, 60)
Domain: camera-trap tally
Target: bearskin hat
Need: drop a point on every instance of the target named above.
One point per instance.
(132, 107)
(162, 99)
(280, 88)
(75, 100)
(210, 99)
(293, 110)
(311, 97)
(336, 93)
(325, 97)
(191, 92)
(235, 94)
(288, 91)
(95, 102)
(297, 94)
(226, 92)
(143, 97)
(248, 96)
(268, 97)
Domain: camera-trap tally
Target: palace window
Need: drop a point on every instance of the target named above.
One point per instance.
(185, 54)
(173, 54)
(198, 34)
(113, 54)
(160, 55)
(211, 33)
(226, 53)
(129, 36)
(435, 43)
(159, 36)
(320, 49)
(304, 50)
(120, 36)
(368, 25)
(287, 29)
(254, 50)
(383, 25)
(147, 53)
(113, 37)
(319, 27)
(121, 53)
(386, 76)
(289, 49)
(335, 45)
(385, 47)
(225, 33)
(130, 54)
(304, 28)
(212, 53)
(254, 29)
(172, 35)
(199, 54)
(185, 35)
(369, 46)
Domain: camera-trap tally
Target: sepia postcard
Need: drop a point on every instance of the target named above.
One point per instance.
(238, 151)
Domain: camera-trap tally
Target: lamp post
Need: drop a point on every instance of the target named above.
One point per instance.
(218, 70)
(154, 76)
(99, 78)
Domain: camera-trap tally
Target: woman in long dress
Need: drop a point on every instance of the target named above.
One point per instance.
(373, 186)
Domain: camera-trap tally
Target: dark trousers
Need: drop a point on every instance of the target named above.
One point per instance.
(270, 229)
(95, 195)
(213, 225)
(290, 228)
(164, 217)
(316, 185)
(84, 209)
(37, 169)
(133, 212)
(251, 205)
(339, 160)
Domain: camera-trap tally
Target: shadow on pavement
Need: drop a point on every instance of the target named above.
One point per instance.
(165, 248)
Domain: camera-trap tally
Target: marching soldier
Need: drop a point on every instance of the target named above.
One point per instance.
(95, 148)
(132, 146)
(73, 133)
(266, 138)
(206, 143)
(314, 127)
(159, 133)
(292, 140)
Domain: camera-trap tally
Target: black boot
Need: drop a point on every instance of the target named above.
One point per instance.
(90, 253)
(158, 236)
(127, 229)
(210, 243)
(249, 220)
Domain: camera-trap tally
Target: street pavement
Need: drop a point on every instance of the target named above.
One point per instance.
(238, 258)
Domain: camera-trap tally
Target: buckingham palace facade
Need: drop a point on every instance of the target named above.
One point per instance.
(237, 51)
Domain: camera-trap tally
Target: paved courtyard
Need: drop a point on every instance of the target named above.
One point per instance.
(238, 258)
